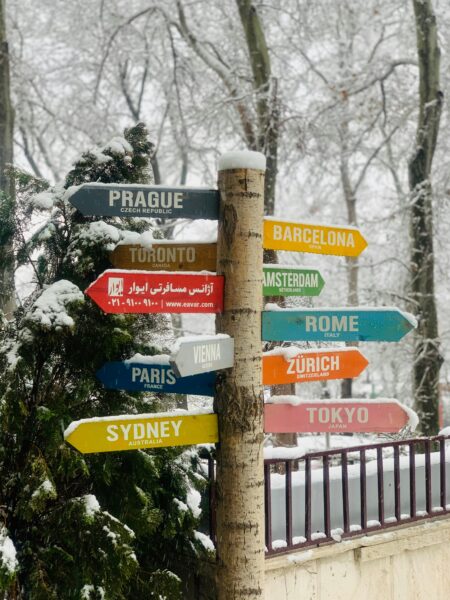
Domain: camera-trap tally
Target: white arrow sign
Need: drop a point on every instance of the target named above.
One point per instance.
(200, 355)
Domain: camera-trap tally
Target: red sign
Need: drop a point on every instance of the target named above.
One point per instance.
(355, 416)
(292, 365)
(117, 291)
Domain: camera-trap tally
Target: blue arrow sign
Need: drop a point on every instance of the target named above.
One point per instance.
(150, 377)
(336, 324)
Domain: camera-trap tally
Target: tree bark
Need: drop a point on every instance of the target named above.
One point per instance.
(427, 357)
(267, 96)
(239, 394)
(7, 297)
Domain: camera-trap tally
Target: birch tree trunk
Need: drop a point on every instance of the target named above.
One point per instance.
(427, 358)
(239, 395)
(7, 301)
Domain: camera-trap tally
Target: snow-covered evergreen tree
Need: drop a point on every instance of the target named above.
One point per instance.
(72, 526)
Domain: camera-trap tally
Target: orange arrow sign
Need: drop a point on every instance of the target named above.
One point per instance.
(293, 365)
(307, 237)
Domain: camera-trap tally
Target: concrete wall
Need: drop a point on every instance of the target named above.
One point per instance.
(410, 563)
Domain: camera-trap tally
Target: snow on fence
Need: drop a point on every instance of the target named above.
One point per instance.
(330, 495)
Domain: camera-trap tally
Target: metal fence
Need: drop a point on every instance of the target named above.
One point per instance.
(335, 494)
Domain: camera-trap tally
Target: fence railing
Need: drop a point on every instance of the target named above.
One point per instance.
(330, 495)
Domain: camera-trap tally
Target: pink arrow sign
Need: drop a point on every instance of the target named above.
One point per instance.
(290, 414)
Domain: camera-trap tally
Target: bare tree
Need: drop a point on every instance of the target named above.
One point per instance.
(7, 301)
(427, 357)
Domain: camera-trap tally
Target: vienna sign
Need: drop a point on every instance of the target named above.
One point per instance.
(201, 355)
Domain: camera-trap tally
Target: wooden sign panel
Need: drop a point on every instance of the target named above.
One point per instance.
(336, 324)
(136, 200)
(203, 355)
(291, 281)
(166, 256)
(118, 292)
(294, 365)
(136, 376)
(328, 416)
(318, 239)
(138, 432)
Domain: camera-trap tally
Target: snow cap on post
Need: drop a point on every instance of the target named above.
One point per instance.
(243, 159)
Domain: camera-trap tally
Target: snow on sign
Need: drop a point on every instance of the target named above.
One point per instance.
(290, 414)
(167, 256)
(137, 432)
(117, 291)
(293, 364)
(307, 237)
(127, 200)
(336, 324)
(203, 354)
(291, 281)
(153, 374)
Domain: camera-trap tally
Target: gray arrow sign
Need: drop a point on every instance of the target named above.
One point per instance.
(203, 355)
(155, 201)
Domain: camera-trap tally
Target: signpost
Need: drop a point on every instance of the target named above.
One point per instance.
(282, 280)
(118, 292)
(140, 375)
(336, 324)
(327, 416)
(136, 432)
(203, 355)
(307, 237)
(294, 365)
(166, 256)
(128, 200)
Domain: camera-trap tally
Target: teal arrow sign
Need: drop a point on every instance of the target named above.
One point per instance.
(336, 324)
(280, 280)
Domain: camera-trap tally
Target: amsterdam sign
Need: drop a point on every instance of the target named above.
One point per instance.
(291, 281)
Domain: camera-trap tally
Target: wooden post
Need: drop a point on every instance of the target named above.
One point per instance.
(239, 397)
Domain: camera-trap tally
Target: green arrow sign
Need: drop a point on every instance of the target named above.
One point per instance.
(281, 280)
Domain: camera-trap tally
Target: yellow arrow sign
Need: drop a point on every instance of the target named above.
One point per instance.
(306, 237)
(137, 432)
